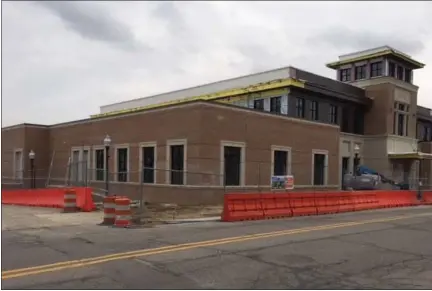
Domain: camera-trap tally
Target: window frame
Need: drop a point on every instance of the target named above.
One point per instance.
(174, 142)
(362, 72)
(280, 104)
(116, 162)
(326, 162)
(302, 107)
(314, 112)
(376, 67)
(275, 148)
(333, 114)
(143, 145)
(21, 164)
(345, 75)
(392, 73)
(94, 163)
(242, 146)
(261, 100)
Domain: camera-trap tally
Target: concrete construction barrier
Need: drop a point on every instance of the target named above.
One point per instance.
(255, 206)
(49, 197)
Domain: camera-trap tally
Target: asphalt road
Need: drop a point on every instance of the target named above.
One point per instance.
(383, 249)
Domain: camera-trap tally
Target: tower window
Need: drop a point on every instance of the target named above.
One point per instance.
(360, 72)
(376, 69)
(407, 75)
(392, 69)
(300, 108)
(400, 71)
(345, 75)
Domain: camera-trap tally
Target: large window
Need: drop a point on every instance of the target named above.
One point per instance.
(259, 104)
(280, 162)
(345, 75)
(100, 165)
(360, 72)
(276, 104)
(400, 72)
(148, 164)
(232, 165)
(407, 77)
(75, 166)
(400, 119)
(122, 164)
(333, 118)
(376, 69)
(18, 164)
(314, 110)
(300, 107)
(392, 70)
(177, 156)
(319, 168)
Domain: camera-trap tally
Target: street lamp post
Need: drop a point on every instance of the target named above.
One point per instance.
(107, 143)
(356, 157)
(32, 170)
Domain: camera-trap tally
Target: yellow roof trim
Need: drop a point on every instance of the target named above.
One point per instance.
(414, 155)
(222, 94)
(336, 64)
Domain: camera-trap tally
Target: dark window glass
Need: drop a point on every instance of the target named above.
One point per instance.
(392, 69)
(319, 169)
(300, 108)
(232, 162)
(360, 72)
(259, 104)
(333, 114)
(359, 121)
(100, 165)
(177, 164)
(400, 124)
(376, 69)
(345, 75)
(408, 75)
(148, 171)
(314, 110)
(400, 71)
(122, 165)
(280, 163)
(275, 104)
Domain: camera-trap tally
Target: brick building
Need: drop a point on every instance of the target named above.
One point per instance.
(196, 144)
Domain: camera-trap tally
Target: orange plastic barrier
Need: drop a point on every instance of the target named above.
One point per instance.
(397, 198)
(50, 197)
(242, 207)
(427, 197)
(276, 205)
(273, 205)
(303, 204)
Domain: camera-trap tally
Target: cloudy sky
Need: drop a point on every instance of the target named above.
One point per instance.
(62, 60)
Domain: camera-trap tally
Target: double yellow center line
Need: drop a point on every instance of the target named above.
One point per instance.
(180, 247)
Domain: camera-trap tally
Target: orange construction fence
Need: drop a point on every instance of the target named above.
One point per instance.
(274, 205)
(49, 197)
(427, 197)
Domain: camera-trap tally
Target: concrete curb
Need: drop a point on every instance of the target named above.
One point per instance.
(193, 220)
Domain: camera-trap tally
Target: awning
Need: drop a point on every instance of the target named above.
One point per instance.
(410, 155)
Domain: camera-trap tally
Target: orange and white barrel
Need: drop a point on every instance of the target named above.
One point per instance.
(123, 212)
(70, 200)
(109, 207)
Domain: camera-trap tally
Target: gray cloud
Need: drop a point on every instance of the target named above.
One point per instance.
(91, 23)
(341, 37)
(63, 76)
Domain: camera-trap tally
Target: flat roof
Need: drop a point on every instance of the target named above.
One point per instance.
(375, 53)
